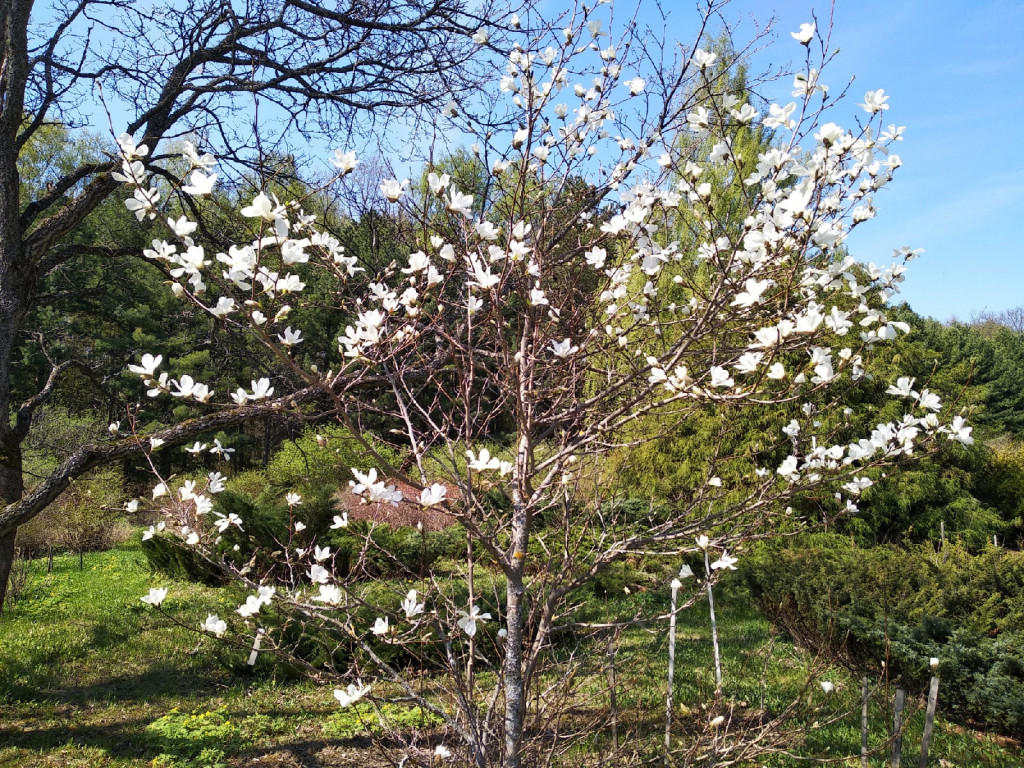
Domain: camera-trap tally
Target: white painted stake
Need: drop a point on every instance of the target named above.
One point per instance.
(255, 647)
(714, 628)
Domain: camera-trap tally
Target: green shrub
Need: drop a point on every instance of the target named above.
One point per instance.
(866, 606)
(171, 557)
(323, 457)
(391, 552)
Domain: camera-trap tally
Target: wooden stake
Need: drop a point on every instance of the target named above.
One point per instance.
(611, 693)
(929, 721)
(714, 629)
(676, 584)
(897, 741)
(864, 723)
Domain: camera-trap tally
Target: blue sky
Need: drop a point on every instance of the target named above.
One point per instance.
(954, 70)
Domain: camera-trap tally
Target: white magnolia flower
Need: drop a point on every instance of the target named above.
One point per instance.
(216, 482)
(214, 625)
(470, 619)
(460, 203)
(155, 596)
(290, 337)
(704, 59)
(827, 686)
(352, 694)
(959, 431)
(564, 348)
(805, 34)
(203, 162)
(260, 208)
(129, 149)
(344, 161)
(725, 562)
(250, 607)
(393, 189)
(261, 389)
(293, 499)
(200, 184)
(636, 86)
(381, 626)
(874, 101)
(340, 521)
(318, 574)
(330, 594)
(149, 365)
(410, 606)
(434, 494)
(223, 523)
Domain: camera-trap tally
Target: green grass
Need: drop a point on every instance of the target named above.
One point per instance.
(91, 676)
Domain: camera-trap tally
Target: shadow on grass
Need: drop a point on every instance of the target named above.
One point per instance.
(150, 686)
(121, 739)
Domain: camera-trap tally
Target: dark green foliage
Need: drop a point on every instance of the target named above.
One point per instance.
(383, 551)
(866, 606)
(171, 557)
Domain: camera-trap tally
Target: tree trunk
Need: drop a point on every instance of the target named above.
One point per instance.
(515, 696)
(15, 272)
(11, 488)
(6, 562)
(515, 618)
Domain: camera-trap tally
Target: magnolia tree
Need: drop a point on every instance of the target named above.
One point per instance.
(559, 300)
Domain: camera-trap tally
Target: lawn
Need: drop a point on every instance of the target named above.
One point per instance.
(90, 676)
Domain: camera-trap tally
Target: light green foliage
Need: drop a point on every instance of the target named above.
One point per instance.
(194, 740)
(324, 457)
(85, 667)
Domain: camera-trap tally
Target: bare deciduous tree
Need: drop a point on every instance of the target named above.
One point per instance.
(198, 68)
